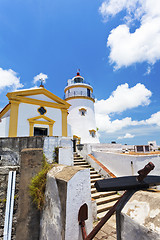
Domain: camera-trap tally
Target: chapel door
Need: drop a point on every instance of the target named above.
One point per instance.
(40, 131)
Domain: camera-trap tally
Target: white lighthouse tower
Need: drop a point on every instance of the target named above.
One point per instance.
(81, 116)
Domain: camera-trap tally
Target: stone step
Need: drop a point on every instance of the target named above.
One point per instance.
(104, 200)
(93, 172)
(76, 154)
(96, 179)
(93, 190)
(105, 207)
(101, 215)
(102, 194)
(79, 160)
(80, 163)
(85, 166)
(92, 185)
(94, 175)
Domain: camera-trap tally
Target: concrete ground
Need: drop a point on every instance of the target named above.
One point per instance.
(108, 231)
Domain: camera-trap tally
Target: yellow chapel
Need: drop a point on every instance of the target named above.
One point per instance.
(34, 112)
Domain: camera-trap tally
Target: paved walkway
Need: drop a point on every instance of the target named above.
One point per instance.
(108, 231)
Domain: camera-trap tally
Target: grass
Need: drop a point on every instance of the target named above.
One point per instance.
(38, 184)
(56, 154)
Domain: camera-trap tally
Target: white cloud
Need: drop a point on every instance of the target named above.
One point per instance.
(148, 71)
(112, 7)
(127, 48)
(105, 124)
(154, 119)
(124, 98)
(127, 135)
(9, 78)
(39, 77)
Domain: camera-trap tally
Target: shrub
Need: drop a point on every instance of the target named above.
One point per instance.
(38, 184)
(56, 154)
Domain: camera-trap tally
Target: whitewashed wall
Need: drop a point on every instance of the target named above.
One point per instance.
(67, 189)
(3, 128)
(27, 111)
(7, 126)
(66, 156)
(41, 97)
(120, 164)
(80, 125)
(51, 142)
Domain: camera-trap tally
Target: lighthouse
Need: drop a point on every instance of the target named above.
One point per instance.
(81, 117)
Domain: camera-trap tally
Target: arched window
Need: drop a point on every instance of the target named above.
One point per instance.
(92, 133)
(82, 111)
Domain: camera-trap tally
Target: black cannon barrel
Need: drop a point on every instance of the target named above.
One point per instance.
(126, 183)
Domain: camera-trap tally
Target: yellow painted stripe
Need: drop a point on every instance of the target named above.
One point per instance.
(40, 102)
(80, 97)
(13, 123)
(64, 122)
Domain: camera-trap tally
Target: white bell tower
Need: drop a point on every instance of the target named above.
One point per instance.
(81, 116)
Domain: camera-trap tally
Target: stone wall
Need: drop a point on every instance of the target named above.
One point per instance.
(28, 217)
(4, 171)
(10, 159)
(10, 148)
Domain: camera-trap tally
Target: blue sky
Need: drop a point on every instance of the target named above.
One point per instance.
(116, 45)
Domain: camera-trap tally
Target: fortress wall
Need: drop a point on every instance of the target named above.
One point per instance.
(11, 160)
(11, 147)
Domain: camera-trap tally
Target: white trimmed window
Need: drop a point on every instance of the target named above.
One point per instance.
(92, 133)
(82, 111)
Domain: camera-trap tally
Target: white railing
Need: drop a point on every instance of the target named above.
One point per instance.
(9, 206)
(77, 94)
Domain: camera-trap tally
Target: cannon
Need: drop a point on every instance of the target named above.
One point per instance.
(130, 185)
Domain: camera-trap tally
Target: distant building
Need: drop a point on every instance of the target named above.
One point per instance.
(34, 112)
(81, 118)
(153, 145)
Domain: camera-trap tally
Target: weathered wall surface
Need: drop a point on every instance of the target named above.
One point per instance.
(3, 194)
(10, 148)
(51, 142)
(28, 219)
(140, 217)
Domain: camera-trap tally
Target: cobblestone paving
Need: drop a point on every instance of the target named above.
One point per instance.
(108, 231)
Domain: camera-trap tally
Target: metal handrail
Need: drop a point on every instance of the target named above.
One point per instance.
(84, 81)
(78, 94)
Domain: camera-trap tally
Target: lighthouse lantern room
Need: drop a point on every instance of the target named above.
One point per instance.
(81, 118)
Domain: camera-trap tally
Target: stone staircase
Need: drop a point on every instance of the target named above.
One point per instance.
(104, 200)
